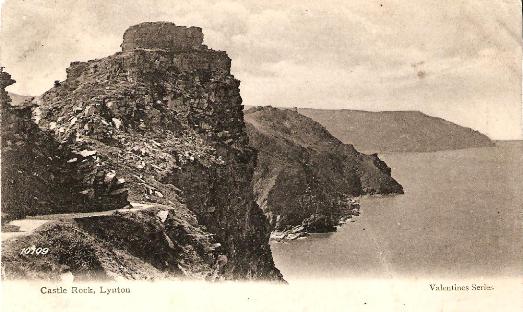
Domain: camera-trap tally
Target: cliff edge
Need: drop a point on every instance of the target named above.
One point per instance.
(165, 116)
(305, 177)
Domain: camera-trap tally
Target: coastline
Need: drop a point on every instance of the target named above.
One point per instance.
(310, 225)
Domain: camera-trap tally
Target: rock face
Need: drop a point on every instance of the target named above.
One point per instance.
(396, 131)
(166, 115)
(41, 176)
(5, 81)
(304, 176)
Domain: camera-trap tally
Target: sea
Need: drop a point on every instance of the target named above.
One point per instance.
(461, 215)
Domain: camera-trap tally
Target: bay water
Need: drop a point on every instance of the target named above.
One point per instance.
(461, 215)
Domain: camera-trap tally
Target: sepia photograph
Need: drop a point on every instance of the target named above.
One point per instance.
(223, 155)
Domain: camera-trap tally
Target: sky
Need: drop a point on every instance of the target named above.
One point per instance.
(459, 60)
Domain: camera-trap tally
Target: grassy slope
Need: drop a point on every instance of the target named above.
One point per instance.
(129, 245)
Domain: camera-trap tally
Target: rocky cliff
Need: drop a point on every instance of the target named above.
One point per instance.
(306, 177)
(396, 131)
(41, 176)
(165, 115)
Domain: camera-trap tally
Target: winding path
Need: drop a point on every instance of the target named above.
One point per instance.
(29, 224)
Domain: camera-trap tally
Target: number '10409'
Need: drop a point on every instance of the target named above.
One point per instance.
(33, 250)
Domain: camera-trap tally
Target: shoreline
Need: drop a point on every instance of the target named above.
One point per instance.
(301, 231)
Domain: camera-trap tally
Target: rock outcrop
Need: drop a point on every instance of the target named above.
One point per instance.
(305, 178)
(165, 115)
(396, 131)
(42, 176)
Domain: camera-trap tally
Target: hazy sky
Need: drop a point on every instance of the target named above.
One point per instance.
(460, 60)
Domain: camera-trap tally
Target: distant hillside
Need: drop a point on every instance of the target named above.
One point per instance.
(17, 99)
(304, 175)
(396, 131)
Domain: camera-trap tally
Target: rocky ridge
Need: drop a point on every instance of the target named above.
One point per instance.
(165, 116)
